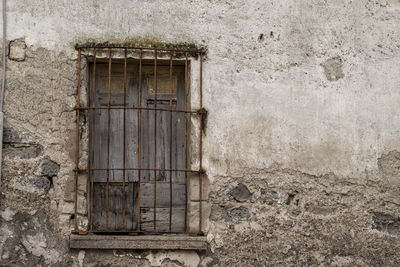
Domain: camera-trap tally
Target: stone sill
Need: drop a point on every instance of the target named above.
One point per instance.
(181, 242)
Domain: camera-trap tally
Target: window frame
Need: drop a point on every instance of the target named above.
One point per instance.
(200, 112)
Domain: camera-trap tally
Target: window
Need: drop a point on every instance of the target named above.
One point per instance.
(143, 123)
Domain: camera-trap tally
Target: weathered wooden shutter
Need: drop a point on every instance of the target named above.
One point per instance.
(119, 144)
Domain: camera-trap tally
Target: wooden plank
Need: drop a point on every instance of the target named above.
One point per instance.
(146, 163)
(131, 150)
(163, 197)
(163, 134)
(162, 222)
(116, 144)
(179, 130)
(147, 134)
(132, 128)
(115, 207)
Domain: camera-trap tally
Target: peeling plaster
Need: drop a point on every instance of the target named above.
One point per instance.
(187, 258)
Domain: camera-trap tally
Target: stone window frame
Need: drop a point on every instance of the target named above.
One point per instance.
(81, 239)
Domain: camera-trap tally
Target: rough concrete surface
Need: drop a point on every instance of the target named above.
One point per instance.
(303, 111)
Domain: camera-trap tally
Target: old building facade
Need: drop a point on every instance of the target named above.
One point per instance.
(300, 144)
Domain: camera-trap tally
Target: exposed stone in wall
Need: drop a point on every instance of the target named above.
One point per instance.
(30, 238)
(183, 258)
(389, 164)
(387, 223)
(126, 258)
(305, 220)
(49, 168)
(22, 151)
(241, 193)
(7, 214)
(333, 69)
(32, 184)
(239, 213)
(31, 226)
(17, 50)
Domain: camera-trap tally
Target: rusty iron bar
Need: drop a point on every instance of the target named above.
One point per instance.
(77, 141)
(108, 134)
(194, 51)
(124, 144)
(103, 180)
(141, 232)
(118, 182)
(142, 108)
(201, 145)
(155, 140)
(186, 139)
(135, 232)
(170, 143)
(139, 135)
(115, 231)
(93, 134)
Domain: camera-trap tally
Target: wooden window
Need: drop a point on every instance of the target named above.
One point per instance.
(116, 152)
(139, 158)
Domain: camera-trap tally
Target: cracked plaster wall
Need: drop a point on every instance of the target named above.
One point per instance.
(302, 142)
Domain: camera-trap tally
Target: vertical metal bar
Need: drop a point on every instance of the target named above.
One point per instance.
(201, 144)
(108, 134)
(155, 139)
(139, 134)
(124, 143)
(77, 141)
(186, 139)
(93, 133)
(170, 143)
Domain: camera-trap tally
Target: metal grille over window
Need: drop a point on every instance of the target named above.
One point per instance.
(139, 140)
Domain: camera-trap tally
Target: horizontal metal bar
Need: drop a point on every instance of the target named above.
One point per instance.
(135, 169)
(144, 232)
(115, 231)
(130, 182)
(196, 51)
(137, 108)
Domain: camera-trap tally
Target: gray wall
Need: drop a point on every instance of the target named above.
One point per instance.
(303, 103)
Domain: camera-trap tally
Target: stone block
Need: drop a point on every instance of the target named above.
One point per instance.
(22, 151)
(69, 193)
(69, 207)
(49, 168)
(333, 69)
(7, 214)
(386, 223)
(17, 50)
(138, 242)
(11, 135)
(39, 185)
(194, 187)
(239, 213)
(194, 215)
(240, 193)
